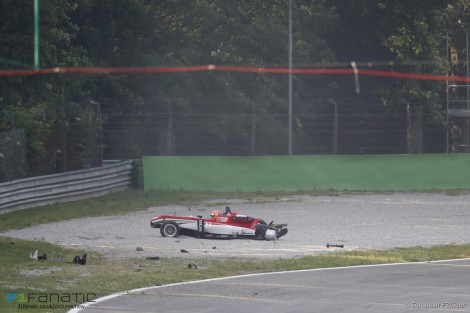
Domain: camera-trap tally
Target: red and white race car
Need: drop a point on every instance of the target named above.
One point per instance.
(219, 225)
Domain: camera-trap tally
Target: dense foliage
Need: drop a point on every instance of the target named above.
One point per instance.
(62, 113)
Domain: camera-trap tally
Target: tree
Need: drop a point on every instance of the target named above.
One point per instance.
(39, 103)
(413, 35)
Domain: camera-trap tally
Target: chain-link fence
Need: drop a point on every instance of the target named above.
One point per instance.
(13, 163)
(341, 126)
(326, 126)
(61, 146)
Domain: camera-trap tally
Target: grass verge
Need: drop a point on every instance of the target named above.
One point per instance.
(21, 275)
(100, 276)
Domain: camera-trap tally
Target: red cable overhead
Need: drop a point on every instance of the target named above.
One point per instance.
(223, 68)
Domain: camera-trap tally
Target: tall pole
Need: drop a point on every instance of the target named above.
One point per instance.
(290, 81)
(468, 78)
(36, 34)
(467, 135)
(447, 92)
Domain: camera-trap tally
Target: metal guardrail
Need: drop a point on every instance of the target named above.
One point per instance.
(64, 187)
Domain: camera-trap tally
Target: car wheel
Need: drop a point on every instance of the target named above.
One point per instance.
(169, 229)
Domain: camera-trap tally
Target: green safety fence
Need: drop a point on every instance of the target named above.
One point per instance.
(318, 172)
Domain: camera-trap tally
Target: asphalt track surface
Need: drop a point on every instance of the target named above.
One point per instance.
(441, 286)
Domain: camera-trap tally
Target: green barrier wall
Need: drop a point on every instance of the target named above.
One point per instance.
(292, 173)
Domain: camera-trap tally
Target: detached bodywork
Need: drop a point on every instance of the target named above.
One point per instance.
(219, 225)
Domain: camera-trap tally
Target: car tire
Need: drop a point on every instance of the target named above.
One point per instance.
(169, 229)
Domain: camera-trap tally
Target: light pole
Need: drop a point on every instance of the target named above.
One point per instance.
(36, 34)
(289, 151)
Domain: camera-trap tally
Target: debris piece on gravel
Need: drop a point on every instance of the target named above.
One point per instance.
(328, 245)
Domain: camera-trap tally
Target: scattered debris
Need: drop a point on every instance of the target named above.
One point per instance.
(214, 248)
(37, 257)
(139, 249)
(192, 266)
(34, 256)
(184, 251)
(78, 260)
(334, 246)
(68, 281)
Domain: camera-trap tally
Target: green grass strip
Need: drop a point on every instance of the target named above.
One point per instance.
(100, 276)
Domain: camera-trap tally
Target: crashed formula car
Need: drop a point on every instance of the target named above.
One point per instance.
(219, 225)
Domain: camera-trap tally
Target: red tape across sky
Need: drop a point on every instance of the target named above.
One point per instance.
(222, 68)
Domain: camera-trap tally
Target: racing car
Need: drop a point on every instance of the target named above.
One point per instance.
(220, 225)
